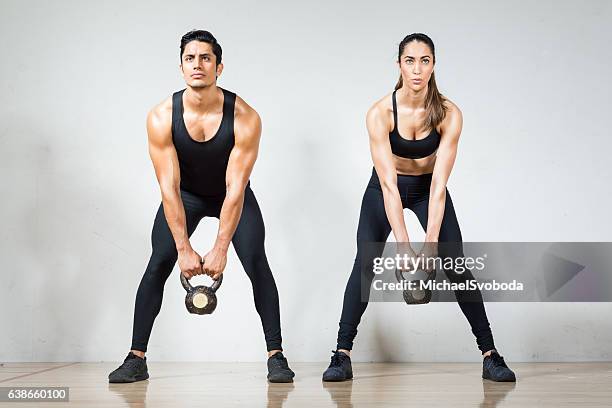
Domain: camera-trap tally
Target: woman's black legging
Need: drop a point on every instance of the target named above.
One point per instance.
(374, 227)
(248, 242)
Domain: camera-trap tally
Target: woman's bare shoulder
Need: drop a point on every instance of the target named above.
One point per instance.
(452, 110)
(381, 108)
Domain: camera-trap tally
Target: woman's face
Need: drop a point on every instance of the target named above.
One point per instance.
(416, 65)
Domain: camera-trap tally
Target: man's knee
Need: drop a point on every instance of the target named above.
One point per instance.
(254, 261)
(160, 264)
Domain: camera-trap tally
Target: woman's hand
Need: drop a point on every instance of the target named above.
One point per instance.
(407, 254)
(429, 254)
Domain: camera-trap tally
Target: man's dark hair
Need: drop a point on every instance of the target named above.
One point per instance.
(204, 36)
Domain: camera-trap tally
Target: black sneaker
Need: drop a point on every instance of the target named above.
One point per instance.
(278, 369)
(133, 369)
(340, 368)
(494, 368)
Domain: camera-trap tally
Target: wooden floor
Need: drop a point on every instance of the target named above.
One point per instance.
(374, 385)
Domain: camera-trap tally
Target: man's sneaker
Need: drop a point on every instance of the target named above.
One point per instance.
(133, 369)
(494, 368)
(278, 369)
(340, 368)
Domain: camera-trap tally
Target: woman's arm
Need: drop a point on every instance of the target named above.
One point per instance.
(447, 151)
(382, 157)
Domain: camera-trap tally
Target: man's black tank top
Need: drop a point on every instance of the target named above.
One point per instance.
(203, 164)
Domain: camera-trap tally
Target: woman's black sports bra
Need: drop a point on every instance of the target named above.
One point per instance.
(412, 149)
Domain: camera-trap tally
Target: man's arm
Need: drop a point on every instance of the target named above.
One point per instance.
(165, 161)
(247, 131)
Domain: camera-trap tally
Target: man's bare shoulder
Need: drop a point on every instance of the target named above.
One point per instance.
(245, 115)
(159, 122)
(162, 112)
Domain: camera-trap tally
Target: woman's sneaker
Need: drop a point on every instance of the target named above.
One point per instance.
(133, 369)
(494, 368)
(340, 368)
(278, 369)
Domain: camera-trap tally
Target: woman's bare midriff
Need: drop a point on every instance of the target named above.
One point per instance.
(414, 167)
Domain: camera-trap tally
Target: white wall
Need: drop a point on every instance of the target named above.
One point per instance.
(79, 192)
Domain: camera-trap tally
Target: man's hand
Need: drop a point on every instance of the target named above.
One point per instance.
(214, 262)
(190, 263)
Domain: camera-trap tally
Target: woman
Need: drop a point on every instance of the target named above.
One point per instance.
(414, 133)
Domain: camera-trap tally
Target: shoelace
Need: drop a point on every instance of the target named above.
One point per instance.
(281, 361)
(498, 360)
(337, 358)
(130, 362)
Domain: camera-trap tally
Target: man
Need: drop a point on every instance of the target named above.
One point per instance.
(203, 142)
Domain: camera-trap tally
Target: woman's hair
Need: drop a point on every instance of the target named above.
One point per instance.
(204, 36)
(434, 100)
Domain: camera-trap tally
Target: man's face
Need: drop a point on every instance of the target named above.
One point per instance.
(199, 65)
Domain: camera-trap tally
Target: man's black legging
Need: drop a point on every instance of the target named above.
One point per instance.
(248, 242)
(374, 227)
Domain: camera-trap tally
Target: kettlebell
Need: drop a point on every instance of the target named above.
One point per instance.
(201, 299)
(417, 296)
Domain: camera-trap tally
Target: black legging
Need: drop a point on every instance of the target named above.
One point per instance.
(374, 227)
(248, 242)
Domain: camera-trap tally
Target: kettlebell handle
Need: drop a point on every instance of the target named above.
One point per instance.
(399, 274)
(216, 283)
